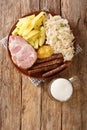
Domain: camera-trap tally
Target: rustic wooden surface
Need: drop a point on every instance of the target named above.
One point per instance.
(25, 107)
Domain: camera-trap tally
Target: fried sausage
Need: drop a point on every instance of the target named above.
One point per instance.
(56, 70)
(48, 63)
(50, 58)
(42, 69)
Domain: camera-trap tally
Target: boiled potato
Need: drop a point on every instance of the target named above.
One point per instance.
(33, 38)
(42, 36)
(31, 29)
(26, 18)
(44, 51)
(33, 43)
(44, 19)
(27, 31)
(39, 22)
(36, 44)
(23, 27)
(30, 42)
(35, 23)
(15, 31)
(24, 23)
(31, 34)
(38, 17)
(19, 24)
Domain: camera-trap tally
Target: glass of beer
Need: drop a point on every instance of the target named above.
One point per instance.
(61, 89)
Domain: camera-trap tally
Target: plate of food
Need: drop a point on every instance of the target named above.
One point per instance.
(41, 44)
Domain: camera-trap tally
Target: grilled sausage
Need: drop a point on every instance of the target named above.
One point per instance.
(48, 63)
(50, 58)
(56, 70)
(42, 69)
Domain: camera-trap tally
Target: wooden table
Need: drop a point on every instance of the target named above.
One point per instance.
(26, 107)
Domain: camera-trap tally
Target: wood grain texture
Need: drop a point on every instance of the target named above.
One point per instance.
(28, 6)
(31, 106)
(51, 5)
(31, 96)
(83, 62)
(10, 79)
(10, 94)
(51, 110)
(76, 13)
(25, 107)
(71, 110)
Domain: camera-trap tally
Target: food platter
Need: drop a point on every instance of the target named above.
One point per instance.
(42, 67)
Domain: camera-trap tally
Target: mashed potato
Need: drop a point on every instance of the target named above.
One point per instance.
(59, 36)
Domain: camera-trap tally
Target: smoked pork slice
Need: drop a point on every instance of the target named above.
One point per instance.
(23, 54)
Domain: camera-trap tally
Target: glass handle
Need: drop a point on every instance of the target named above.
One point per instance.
(74, 79)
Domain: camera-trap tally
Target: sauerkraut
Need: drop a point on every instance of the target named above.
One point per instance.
(59, 36)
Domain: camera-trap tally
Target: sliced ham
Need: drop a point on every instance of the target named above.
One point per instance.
(23, 54)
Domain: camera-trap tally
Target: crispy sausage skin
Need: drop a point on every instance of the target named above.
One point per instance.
(56, 70)
(55, 56)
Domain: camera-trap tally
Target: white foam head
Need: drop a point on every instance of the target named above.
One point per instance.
(61, 89)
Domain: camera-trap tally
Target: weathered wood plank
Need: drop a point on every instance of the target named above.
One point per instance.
(10, 95)
(31, 103)
(52, 5)
(51, 110)
(83, 62)
(75, 117)
(10, 79)
(9, 13)
(30, 107)
(28, 6)
(31, 95)
(71, 110)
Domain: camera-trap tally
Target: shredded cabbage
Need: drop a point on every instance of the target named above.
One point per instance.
(59, 36)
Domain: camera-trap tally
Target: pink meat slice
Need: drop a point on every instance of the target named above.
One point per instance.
(23, 54)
